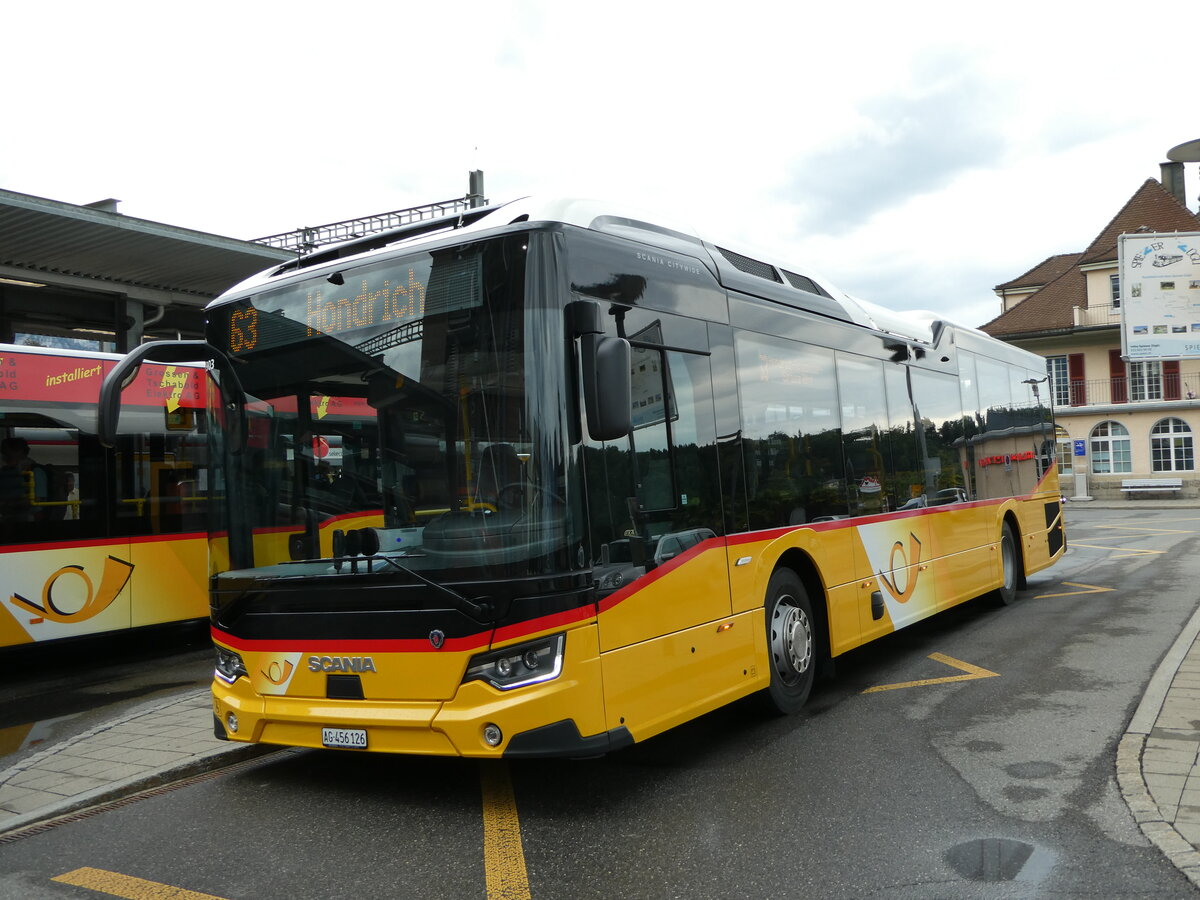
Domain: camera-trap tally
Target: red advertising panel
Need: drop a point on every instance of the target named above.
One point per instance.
(52, 378)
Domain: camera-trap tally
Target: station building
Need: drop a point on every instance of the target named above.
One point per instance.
(1136, 420)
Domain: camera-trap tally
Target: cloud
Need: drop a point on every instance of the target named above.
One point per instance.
(911, 141)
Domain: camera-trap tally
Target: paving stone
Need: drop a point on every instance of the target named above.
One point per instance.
(20, 802)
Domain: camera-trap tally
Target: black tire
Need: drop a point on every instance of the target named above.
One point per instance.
(1010, 564)
(791, 643)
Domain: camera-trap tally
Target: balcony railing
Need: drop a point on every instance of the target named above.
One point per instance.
(1107, 391)
(1097, 315)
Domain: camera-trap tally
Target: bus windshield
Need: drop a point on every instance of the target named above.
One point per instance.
(390, 413)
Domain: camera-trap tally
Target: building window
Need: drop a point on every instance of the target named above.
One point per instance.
(1145, 381)
(1114, 288)
(1111, 449)
(1171, 446)
(1060, 380)
(1066, 456)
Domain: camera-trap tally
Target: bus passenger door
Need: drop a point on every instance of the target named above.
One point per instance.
(160, 486)
(662, 578)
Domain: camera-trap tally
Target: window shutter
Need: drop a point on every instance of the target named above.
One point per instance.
(1171, 379)
(1075, 374)
(1117, 379)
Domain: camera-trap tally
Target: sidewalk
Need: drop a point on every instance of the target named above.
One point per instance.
(155, 744)
(1158, 759)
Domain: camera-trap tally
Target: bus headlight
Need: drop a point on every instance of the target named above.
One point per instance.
(229, 666)
(519, 665)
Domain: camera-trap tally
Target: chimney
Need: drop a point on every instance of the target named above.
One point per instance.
(1172, 180)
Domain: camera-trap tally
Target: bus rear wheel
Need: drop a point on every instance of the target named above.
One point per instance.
(791, 642)
(1010, 563)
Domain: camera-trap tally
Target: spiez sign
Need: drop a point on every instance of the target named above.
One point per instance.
(1160, 295)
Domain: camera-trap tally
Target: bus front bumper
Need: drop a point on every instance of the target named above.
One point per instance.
(562, 717)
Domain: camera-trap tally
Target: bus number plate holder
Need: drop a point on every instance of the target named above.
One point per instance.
(352, 738)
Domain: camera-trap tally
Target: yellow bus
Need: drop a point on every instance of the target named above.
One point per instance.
(549, 478)
(96, 540)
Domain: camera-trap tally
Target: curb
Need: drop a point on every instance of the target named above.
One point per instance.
(1130, 778)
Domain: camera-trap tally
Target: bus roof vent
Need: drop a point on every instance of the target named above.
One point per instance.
(752, 266)
(804, 283)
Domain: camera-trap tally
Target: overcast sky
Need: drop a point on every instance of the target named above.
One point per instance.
(915, 154)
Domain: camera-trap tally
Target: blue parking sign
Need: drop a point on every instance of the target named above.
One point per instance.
(1081, 448)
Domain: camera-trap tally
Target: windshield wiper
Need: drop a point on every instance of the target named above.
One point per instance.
(480, 608)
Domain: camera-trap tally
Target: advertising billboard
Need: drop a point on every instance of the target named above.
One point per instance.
(1160, 295)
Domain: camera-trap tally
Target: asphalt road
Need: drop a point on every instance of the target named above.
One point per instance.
(998, 783)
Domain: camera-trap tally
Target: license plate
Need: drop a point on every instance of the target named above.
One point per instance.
(354, 738)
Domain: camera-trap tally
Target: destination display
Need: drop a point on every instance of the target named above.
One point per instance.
(356, 305)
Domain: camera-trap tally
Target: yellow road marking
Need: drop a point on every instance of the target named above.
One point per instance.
(973, 672)
(1124, 551)
(503, 854)
(1087, 589)
(118, 885)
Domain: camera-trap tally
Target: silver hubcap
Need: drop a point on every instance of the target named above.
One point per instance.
(1009, 558)
(791, 639)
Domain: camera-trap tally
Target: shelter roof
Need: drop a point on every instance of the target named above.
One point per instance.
(91, 248)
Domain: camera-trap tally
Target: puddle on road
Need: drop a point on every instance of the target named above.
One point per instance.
(73, 704)
(16, 738)
(1034, 770)
(998, 859)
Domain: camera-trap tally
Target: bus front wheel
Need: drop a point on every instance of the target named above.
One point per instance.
(791, 642)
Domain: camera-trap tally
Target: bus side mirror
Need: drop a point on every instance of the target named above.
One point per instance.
(606, 386)
(607, 382)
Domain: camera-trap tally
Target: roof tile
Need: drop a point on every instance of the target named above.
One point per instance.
(1043, 273)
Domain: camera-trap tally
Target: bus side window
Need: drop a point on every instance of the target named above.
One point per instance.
(864, 424)
(792, 430)
(161, 484)
(40, 491)
(941, 432)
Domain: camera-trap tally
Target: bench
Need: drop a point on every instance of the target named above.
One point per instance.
(1139, 485)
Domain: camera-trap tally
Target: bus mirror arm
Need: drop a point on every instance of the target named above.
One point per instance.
(108, 411)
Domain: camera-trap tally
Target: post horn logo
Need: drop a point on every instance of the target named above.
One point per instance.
(112, 582)
(910, 579)
(277, 674)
